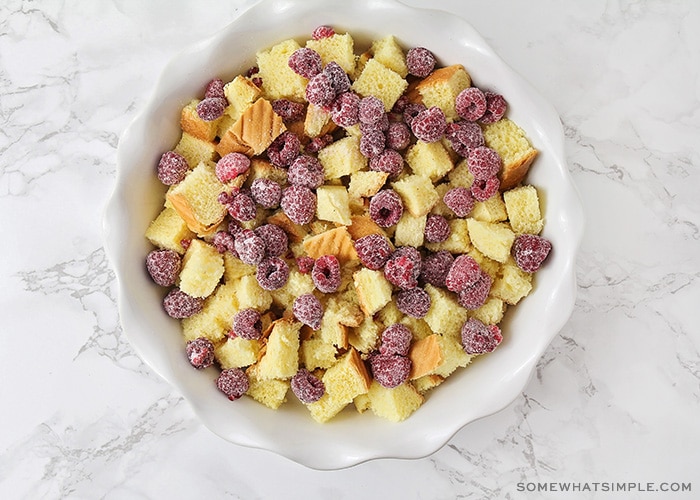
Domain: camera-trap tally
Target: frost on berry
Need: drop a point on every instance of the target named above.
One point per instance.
(373, 250)
(215, 88)
(231, 166)
(289, 111)
(200, 352)
(437, 228)
(224, 242)
(411, 111)
(172, 168)
(398, 136)
(464, 272)
(386, 208)
(274, 238)
(305, 264)
(242, 208)
(390, 370)
(307, 387)
(344, 109)
(319, 90)
(318, 143)
(530, 251)
(429, 125)
(459, 200)
(211, 108)
(322, 32)
(282, 151)
(299, 204)
(305, 62)
(179, 305)
(266, 192)
(340, 81)
(474, 296)
(308, 310)
(306, 171)
(495, 107)
(395, 339)
(470, 104)
(483, 189)
(483, 162)
(250, 247)
(164, 266)
(233, 382)
(403, 268)
(247, 324)
(388, 161)
(464, 136)
(414, 302)
(478, 338)
(435, 267)
(272, 273)
(420, 61)
(372, 142)
(370, 110)
(326, 273)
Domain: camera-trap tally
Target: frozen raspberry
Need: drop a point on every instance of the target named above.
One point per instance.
(233, 382)
(395, 339)
(284, 149)
(371, 110)
(242, 208)
(420, 61)
(215, 88)
(389, 161)
(308, 309)
(437, 228)
(250, 247)
(495, 107)
(252, 71)
(414, 302)
(200, 352)
(276, 241)
(483, 162)
(319, 90)
(318, 143)
(340, 81)
(530, 250)
(386, 208)
(322, 32)
(163, 266)
(402, 272)
(429, 125)
(400, 105)
(344, 109)
(234, 227)
(179, 305)
(272, 273)
(185, 243)
(483, 189)
(464, 136)
(225, 198)
(459, 200)
(305, 62)
(412, 254)
(299, 204)
(398, 136)
(411, 111)
(477, 338)
(172, 168)
(306, 171)
(435, 267)
(289, 111)
(465, 272)
(470, 104)
(266, 192)
(211, 108)
(373, 251)
(382, 125)
(223, 241)
(231, 166)
(326, 273)
(305, 264)
(474, 296)
(372, 143)
(307, 387)
(390, 370)
(247, 324)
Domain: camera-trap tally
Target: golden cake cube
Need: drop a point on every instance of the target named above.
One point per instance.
(445, 316)
(168, 230)
(338, 48)
(410, 230)
(251, 295)
(511, 143)
(278, 79)
(429, 159)
(523, 207)
(237, 353)
(417, 193)
(195, 150)
(366, 183)
(373, 290)
(202, 269)
(441, 88)
(512, 285)
(240, 93)
(270, 392)
(191, 123)
(333, 204)
(457, 242)
(342, 157)
(491, 210)
(316, 353)
(493, 239)
(380, 81)
(387, 51)
(395, 404)
(280, 358)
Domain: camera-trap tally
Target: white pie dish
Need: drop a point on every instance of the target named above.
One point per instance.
(486, 386)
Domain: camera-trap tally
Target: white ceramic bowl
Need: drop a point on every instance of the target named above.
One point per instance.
(486, 386)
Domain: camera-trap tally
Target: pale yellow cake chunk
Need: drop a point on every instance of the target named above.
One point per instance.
(195, 150)
(410, 230)
(512, 285)
(342, 157)
(235, 268)
(457, 242)
(237, 353)
(373, 290)
(380, 81)
(202, 269)
(441, 88)
(365, 337)
(316, 353)
(191, 123)
(215, 319)
(417, 192)
(446, 315)
(491, 312)
(429, 159)
(339, 48)
(333, 204)
(280, 358)
(491, 210)
(366, 183)
(395, 404)
(493, 239)
(511, 143)
(241, 93)
(278, 79)
(168, 230)
(523, 207)
(250, 294)
(270, 392)
(387, 51)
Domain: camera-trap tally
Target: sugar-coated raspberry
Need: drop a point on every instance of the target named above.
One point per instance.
(382, 125)
(289, 111)
(495, 107)
(234, 227)
(464, 136)
(413, 255)
(429, 125)
(276, 240)
(386, 208)
(164, 266)
(390, 370)
(372, 142)
(483, 189)
(308, 309)
(250, 247)
(266, 192)
(389, 161)
(370, 110)
(200, 352)
(483, 162)
(215, 88)
(231, 165)
(305, 62)
(172, 168)
(307, 387)
(437, 228)
(211, 108)
(459, 200)
(326, 273)
(414, 302)
(305, 264)
(282, 151)
(474, 296)
(478, 338)
(344, 109)
(318, 143)
(242, 208)
(420, 61)
(299, 204)
(530, 251)
(322, 32)
(319, 90)
(470, 104)
(401, 272)
(395, 339)
(247, 324)
(435, 267)
(373, 251)
(398, 136)
(185, 243)
(400, 105)
(252, 71)
(224, 242)
(233, 382)
(306, 171)
(412, 110)
(179, 305)
(272, 273)
(340, 81)
(465, 272)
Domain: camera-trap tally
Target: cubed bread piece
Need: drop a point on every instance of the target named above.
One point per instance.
(250, 294)
(389, 314)
(362, 403)
(191, 123)
(342, 157)
(295, 232)
(380, 81)
(333, 204)
(510, 141)
(441, 88)
(417, 193)
(427, 382)
(270, 392)
(317, 121)
(457, 242)
(332, 332)
(316, 353)
(460, 176)
(278, 79)
(373, 290)
(339, 48)
(410, 230)
(336, 242)
(365, 337)
(215, 319)
(419, 328)
(446, 315)
(280, 356)
(425, 356)
(388, 52)
(234, 268)
(429, 159)
(362, 225)
(237, 353)
(202, 269)
(493, 239)
(168, 230)
(256, 128)
(260, 168)
(512, 285)
(195, 150)
(523, 208)
(491, 312)
(241, 93)
(440, 208)
(453, 356)
(491, 210)
(395, 404)
(297, 284)
(489, 266)
(366, 183)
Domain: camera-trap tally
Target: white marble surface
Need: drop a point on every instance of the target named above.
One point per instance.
(616, 397)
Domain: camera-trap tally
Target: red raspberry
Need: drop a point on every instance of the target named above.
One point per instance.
(372, 143)
(231, 165)
(266, 192)
(474, 296)
(395, 339)
(400, 104)
(495, 107)
(435, 267)
(414, 302)
(389, 161)
(275, 239)
(306, 171)
(411, 253)
(234, 227)
(250, 247)
(411, 111)
(299, 204)
(179, 305)
(247, 324)
(305, 264)
(307, 387)
(344, 109)
(242, 208)
(437, 228)
(284, 149)
(200, 352)
(308, 309)
(340, 82)
(233, 383)
(464, 136)
(420, 61)
(470, 104)
(322, 32)
(373, 251)
(272, 273)
(483, 189)
(390, 371)
(318, 143)
(289, 111)
(477, 338)
(465, 272)
(164, 266)
(386, 208)
(223, 241)
(398, 136)
(211, 108)
(305, 62)
(401, 272)
(326, 273)
(215, 88)
(429, 125)
(381, 126)
(320, 91)
(459, 200)
(172, 168)
(483, 162)
(371, 110)
(530, 250)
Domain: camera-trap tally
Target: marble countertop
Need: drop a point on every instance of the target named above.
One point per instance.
(615, 399)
